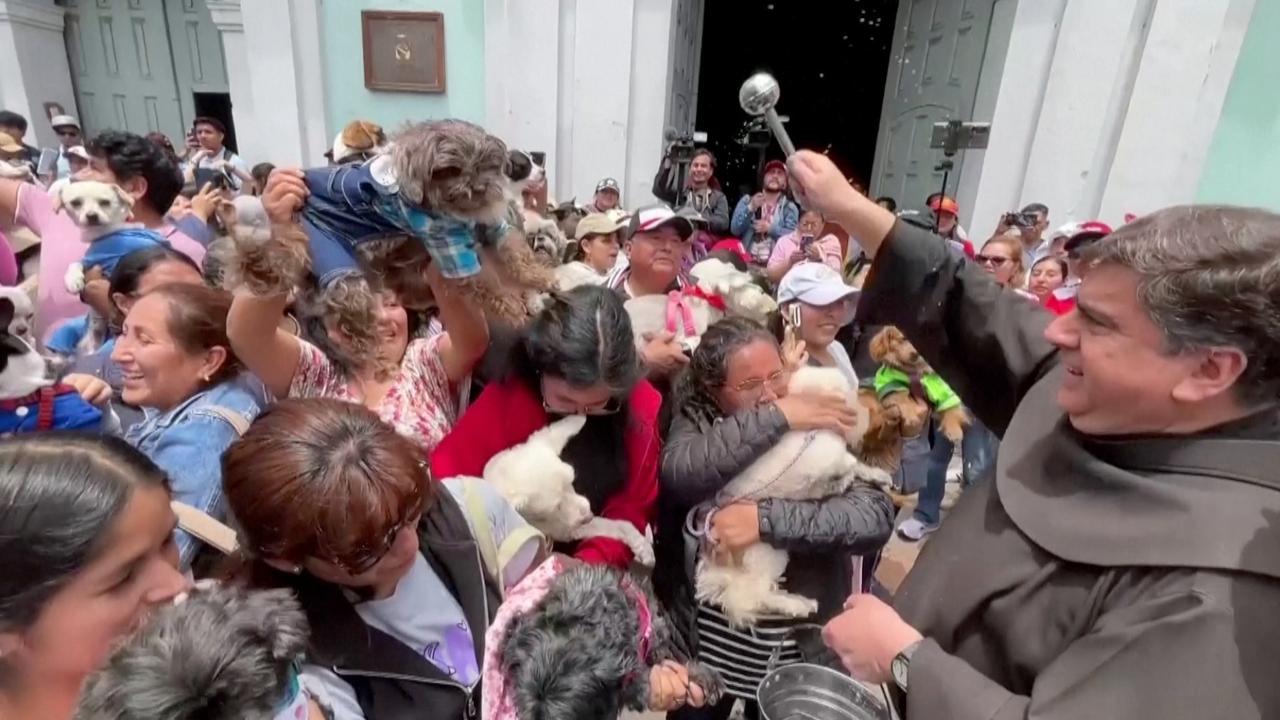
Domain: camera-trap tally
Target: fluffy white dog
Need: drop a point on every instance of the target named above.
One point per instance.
(802, 466)
(99, 209)
(688, 314)
(539, 485)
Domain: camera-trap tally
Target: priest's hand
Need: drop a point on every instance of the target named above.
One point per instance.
(867, 636)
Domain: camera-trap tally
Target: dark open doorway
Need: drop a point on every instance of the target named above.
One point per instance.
(830, 59)
(217, 105)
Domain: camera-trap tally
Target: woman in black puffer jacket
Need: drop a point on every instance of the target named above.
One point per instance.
(729, 408)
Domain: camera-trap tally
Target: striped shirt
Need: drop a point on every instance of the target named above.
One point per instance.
(742, 655)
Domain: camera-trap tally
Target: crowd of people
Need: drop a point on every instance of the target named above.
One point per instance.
(1113, 552)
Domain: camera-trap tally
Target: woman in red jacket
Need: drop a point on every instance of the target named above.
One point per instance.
(576, 357)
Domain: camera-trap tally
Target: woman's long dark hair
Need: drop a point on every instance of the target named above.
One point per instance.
(584, 337)
(60, 496)
(694, 395)
(129, 272)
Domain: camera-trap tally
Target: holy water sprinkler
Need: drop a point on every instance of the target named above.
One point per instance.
(758, 96)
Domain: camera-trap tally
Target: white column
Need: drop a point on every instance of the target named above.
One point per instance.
(587, 82)
(275, 73)
(33, 65)
(1173, 110)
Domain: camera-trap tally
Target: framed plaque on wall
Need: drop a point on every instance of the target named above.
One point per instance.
(403, 51)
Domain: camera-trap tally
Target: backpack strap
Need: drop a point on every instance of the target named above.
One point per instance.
(496, 556)
(236, 420)
(208, 530)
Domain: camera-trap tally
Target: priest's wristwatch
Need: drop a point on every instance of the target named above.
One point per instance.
(901, 665)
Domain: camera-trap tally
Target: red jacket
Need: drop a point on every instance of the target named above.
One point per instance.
(507, 413)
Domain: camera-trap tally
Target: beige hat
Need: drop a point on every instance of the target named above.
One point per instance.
(8, 144)
(597, 224)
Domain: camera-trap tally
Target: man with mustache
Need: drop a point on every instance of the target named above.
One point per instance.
(766, 216)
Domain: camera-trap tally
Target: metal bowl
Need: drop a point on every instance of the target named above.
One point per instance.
(812, 692)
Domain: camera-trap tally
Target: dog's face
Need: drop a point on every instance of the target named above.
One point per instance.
(22, 369)
(452, 167)
(545, 240)
(891, 347)
(93, 204)
(522, 171)
(24, 314)
(538, 484)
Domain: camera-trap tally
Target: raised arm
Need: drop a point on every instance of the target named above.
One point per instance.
(988, 344)
(466, 332)
(253, 327)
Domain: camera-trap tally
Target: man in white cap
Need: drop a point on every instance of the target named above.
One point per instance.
(69, 136)
(76, 159)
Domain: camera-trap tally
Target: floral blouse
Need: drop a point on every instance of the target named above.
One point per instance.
(419, 404)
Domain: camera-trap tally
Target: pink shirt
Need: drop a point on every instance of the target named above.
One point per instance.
(419, 404)
(828, 245)
(60, 245)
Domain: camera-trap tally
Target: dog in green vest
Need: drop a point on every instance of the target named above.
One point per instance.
(907, 384)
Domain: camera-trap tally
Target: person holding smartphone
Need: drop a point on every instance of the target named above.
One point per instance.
(806, 243)
(760, 219)
(815, 304)
(211, 161)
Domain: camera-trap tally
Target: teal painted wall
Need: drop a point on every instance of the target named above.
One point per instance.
(1243, 167)
(345, 95)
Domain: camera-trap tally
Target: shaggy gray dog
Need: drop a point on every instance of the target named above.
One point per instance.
(225, 653)
(578, 655)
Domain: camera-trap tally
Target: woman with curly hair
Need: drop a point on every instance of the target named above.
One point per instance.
(730, 407)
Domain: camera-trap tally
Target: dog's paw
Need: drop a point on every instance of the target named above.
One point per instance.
(789, 604)
(74, 279)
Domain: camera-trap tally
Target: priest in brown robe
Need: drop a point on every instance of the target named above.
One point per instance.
(1125, 560)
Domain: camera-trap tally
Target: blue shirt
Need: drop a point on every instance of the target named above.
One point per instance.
(187, 442)
(786, 216)
(107, 251)
(70, 412)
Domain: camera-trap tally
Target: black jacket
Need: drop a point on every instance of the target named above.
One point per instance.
(700, 458)
(715, 211)
(391, 681)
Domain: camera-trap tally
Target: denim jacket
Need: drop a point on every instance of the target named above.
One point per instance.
(354, 203)
(785, 219)
(187, 442)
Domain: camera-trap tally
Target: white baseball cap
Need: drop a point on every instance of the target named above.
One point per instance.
(58, 121)
(814, 283)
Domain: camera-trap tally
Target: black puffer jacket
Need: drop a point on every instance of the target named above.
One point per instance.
(699, 458)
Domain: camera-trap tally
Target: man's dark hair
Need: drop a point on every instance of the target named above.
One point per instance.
(1040, 208)
(212, 122)
(130, 156)
(889, 203)
(9, 118)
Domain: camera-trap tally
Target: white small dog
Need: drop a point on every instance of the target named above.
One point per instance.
(687, 315)
(24, 314)
(99, 209)
(539, 485)
(802, 466)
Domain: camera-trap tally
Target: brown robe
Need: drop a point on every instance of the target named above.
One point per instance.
(1095, 578)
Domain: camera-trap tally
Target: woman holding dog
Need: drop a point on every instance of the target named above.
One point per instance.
(731, 407)
(86, 551)
(576, 357)
(177, 364)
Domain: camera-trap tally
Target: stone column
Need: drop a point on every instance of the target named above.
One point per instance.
(33, 65)
(275, 73)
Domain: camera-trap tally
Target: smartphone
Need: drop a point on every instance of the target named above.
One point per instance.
(793, 315)
(759, 213)
(805, 242)
(48, 163)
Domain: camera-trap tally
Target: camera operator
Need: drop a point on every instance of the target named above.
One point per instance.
(1031, 222)
(701, 189)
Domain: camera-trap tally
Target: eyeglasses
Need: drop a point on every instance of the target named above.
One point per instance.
(365, 557)
(756, 385)
(609, 407)
(991, 260)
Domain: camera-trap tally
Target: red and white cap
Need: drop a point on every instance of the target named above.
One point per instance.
(652, 217)
(1086, 233)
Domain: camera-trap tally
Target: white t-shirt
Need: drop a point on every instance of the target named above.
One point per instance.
(424, 616)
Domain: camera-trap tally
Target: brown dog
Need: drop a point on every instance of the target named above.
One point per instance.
(906, 384)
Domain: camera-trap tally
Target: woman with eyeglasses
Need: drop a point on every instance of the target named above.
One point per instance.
(576, 357)
(730, 407)
(1001, 257)
(339, 507)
